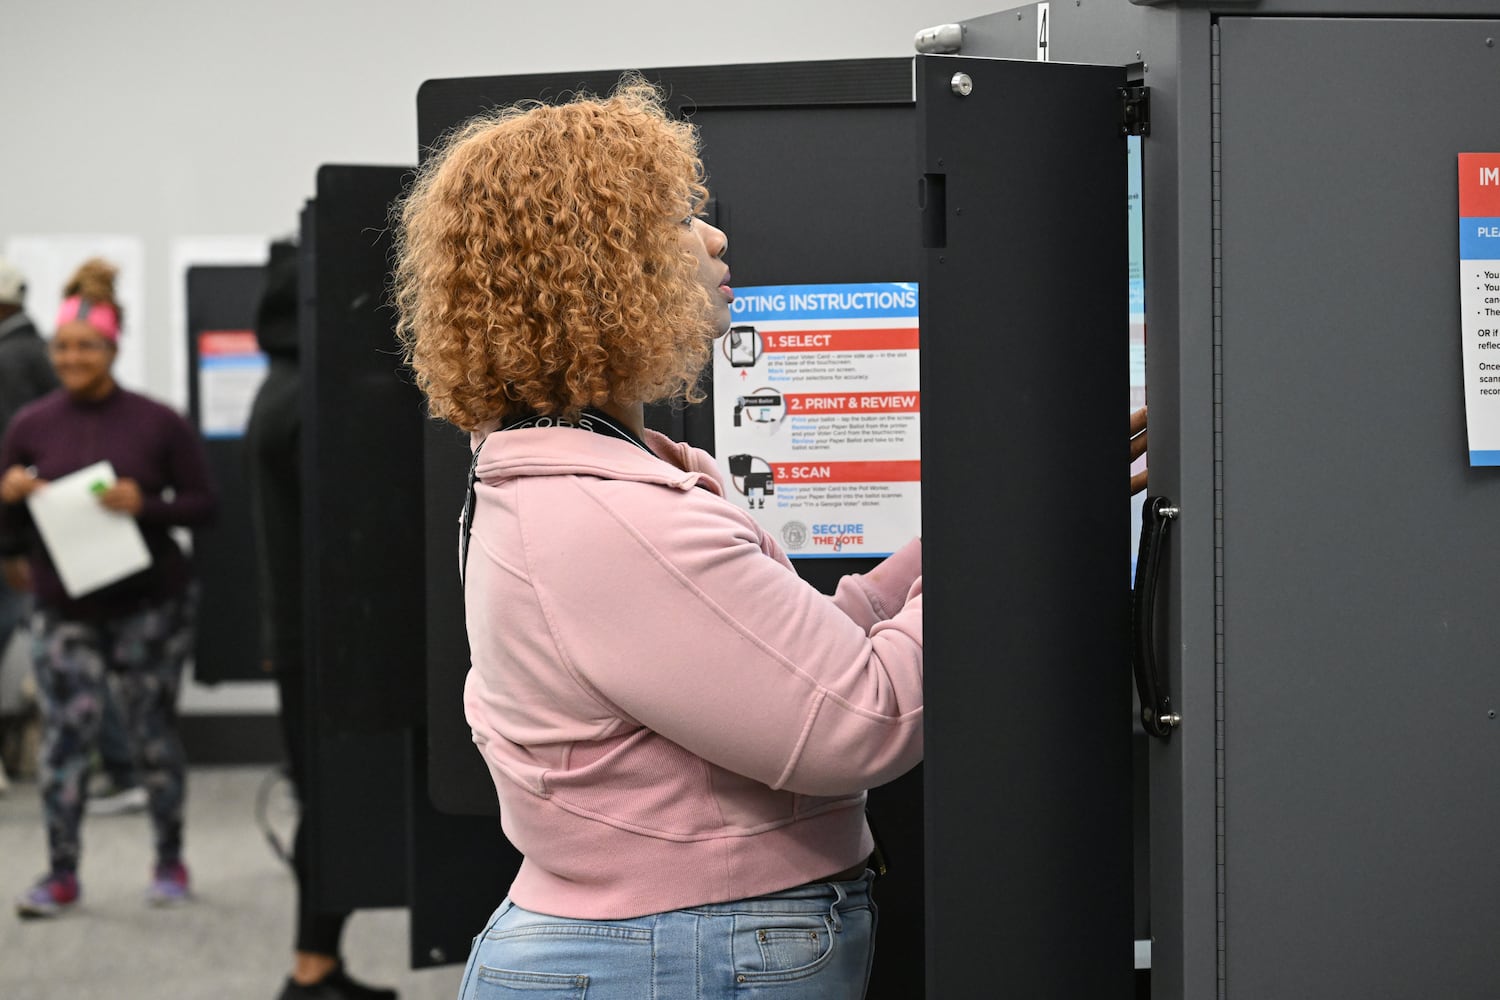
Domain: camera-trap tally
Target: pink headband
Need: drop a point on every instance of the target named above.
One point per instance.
(102, 316)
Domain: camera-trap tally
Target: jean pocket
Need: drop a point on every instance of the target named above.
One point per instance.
(495, 984)
(781, 947)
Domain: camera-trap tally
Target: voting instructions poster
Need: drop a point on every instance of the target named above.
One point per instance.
(231, 368)
(817, 415)
(1479, 300)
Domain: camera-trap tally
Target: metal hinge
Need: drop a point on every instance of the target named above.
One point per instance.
(1135, 109)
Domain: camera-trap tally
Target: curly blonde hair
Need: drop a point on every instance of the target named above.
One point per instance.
(539, 265)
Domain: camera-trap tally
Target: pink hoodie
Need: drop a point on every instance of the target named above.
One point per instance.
(670, 714)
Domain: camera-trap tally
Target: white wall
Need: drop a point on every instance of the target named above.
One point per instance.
(169, 119)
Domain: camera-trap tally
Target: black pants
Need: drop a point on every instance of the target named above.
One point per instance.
(318, 931)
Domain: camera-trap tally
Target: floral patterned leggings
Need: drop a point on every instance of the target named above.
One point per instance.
(141, 656)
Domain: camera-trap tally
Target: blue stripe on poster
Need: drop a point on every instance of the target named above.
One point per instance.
(874, 300)
(838, 555)
(1479, 239)
(222, 362)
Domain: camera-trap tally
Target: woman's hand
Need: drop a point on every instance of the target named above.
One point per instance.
(124, 496)
(18, 484)
(17, 574)
(1137, 448)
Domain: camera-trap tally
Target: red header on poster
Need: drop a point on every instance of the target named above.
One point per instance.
(817, 404)
(846, 472)
(892, 339)
(1479, 185)
(218, 343)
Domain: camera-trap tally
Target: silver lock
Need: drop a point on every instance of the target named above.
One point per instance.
(961, 84)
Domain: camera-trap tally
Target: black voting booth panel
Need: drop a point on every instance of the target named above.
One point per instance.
(228, 645)
(361, 439)
(376, 839)
(1024, 361)
(811, 167)
(364, 421)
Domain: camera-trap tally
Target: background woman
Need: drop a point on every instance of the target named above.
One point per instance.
(135, 634)
(680, 730)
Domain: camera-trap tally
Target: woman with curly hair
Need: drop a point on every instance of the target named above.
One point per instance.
(134, 635)
(680, 729)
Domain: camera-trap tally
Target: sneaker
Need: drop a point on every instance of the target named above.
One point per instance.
(50, 896)
(337, 985)
(114, 801)
(169, 885)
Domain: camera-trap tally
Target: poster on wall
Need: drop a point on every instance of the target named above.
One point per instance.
(183, 254)
(1479, 300)
(48, 261)
(231, 368)
(817, 415)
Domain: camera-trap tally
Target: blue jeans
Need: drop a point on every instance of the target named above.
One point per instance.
(811, 943)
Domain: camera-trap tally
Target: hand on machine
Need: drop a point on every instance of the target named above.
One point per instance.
(1137, 448)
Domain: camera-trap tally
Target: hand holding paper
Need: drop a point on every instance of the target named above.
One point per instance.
(124, 496)
(18, 484)
(91, 546)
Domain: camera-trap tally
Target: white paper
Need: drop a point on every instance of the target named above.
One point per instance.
(91, 546)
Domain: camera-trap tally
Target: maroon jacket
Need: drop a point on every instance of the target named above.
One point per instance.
(144, 441)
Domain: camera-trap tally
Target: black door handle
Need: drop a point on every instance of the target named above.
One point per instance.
(1150, 680)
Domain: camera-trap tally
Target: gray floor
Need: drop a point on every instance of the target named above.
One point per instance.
(232, 941)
